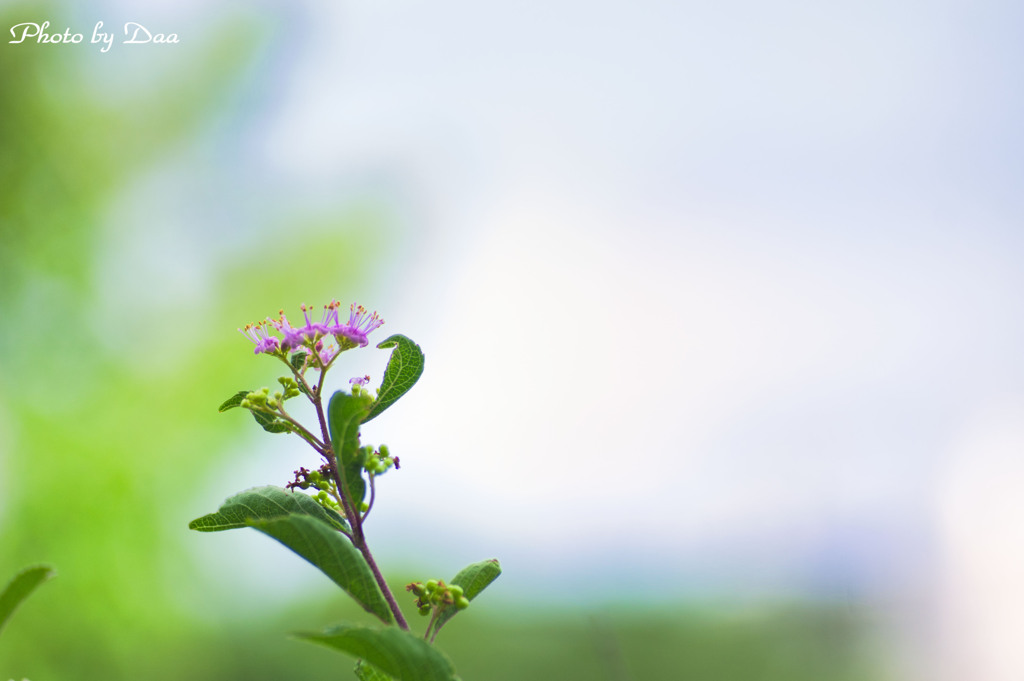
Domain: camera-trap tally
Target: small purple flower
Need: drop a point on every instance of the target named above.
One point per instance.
(326, 354)
(360, 324)
(258, 334)
(292, 336)
(359, 380)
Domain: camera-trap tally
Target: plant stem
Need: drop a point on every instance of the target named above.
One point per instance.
(388, 596)
(352, 514)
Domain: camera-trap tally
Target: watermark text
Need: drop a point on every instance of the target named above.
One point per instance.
(133, 33)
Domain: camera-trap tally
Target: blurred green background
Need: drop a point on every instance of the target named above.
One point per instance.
(118, 341)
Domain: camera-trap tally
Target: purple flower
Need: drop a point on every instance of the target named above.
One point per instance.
(258, 334)
(359, 380)
(311, 331)
(292, 336)
(360, 324)
(326, 354)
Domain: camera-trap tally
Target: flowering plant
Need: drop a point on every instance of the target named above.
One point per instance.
(326, 525)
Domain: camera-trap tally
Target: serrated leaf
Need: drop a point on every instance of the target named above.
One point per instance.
(19, 588)
(404, 368)
(333, 554)
(345, 413)
(367, 672)
(264, 503)
(234, 401)
(271, 424)
(396, 652)
(473, 579)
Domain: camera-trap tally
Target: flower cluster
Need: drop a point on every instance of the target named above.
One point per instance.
(311, 335)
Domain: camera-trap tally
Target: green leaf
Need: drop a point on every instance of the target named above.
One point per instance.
(308, 529)
(233, 401)
(271, 424)
(404, 368)
(18, 589)
(333, 554)
(264, 503)
(367, 672)
(396, 652)
(473, 579)
(298, 360)
(345, 413)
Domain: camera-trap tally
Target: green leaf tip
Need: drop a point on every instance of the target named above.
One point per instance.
(403, 370)
(393, 651)
(19, 588)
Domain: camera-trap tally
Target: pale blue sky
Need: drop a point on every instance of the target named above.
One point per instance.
(739, 280)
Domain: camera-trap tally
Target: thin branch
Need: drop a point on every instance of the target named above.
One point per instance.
(351, 512)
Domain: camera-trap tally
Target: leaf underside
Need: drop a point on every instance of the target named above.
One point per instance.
(308, 529)
(334, 555)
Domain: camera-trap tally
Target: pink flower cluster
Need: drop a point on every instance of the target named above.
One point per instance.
(351, 334)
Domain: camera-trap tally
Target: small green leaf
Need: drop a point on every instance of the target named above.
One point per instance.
(264, 503)
(298, 360)
(233, 401)
(367, 672)
(404, 368)
(271, 424)
(345, 413)
(18, 589)
(333, 554)
(396, 652)
(473, 579)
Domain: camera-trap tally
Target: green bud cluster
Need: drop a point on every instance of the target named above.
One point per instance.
(325, 499)
(380, 461)
(258, 400)
(291, 387)
(435, 595)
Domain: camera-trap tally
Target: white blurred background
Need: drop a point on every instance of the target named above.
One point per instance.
(722, 301)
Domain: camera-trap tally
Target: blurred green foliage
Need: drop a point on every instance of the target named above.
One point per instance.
(108, 418)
